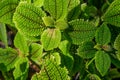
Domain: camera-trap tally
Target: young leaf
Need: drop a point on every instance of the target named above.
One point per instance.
(8, 58)
(3, 34)
(28, 19)
(103, 35)
(102, 62)
(86, 50)
(7, 8)
(56, 8)
(35, 52)
(51, 71)
(81, 31)
(21, 43)
(50, 39)
(21, 69)
(112, 15)
(38, 3)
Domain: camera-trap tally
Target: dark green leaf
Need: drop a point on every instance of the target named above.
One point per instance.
(8, 58)
(7, 8)
(116, 43)
(21, 43)
(81, 31)
(28, 19)
(51, 38)
(103, 35)
(102, 62)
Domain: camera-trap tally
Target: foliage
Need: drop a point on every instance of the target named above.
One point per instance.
(60, 39)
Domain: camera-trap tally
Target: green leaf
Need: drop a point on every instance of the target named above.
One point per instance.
(3, 34)
(51, 71)
(103, 35)
(102, 62)
(36, 51)
(21, 43)
(112, 15)
(81, 31)
(56, 8)
(74, 9)
(7, 8)
(86, 50)
(21, 69)
(8, 58)
(116, 43)
(50, 39)
(92, 77)
(28, 19)
(38, 3)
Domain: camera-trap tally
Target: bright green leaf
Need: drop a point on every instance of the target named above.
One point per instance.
(81, 31)
(39, 3)
(103, 35)
(3, 34)
(7, 8)
(117, 43)
(21, 69)
(21, 43)
(112, 15)
(28, 19)
(102, 62)
(56, 8)
(8, 58)
(51, 38)
(86, 50)
(51, 71)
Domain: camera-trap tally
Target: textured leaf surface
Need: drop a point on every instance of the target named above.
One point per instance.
(28, 19)
(81, 31)
(51, 38)
(74, 9)
(8, 58)
(7, 8)
(112, 15)
(3, 34)
(102, 62)
(21, 69)
(51, 71)
(117, 43)
(86, 50)
(56, 8)
(21, 43)
(103, 35)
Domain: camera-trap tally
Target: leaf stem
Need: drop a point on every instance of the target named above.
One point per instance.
(87, 65)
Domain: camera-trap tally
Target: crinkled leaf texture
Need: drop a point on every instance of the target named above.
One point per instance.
(51, 71)
(102, 62)
(28, 19)
(50, 38)
(21, 69)
(8, 58)
(103, 35)
(112, 15)
(86, 50)
(56, 8)
(21, 43)
(7, 8)
(80, 31)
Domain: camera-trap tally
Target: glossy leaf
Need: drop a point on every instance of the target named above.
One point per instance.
(51, 71)
(103, 35)
(8, 58)
(50, 38)
(21, 69)
(3, 34)
(86, 50)
(56, 8)
(21, 43)
(102, 62)
(28, 19)
(7, 8)
(81, 31)
(112, 15)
